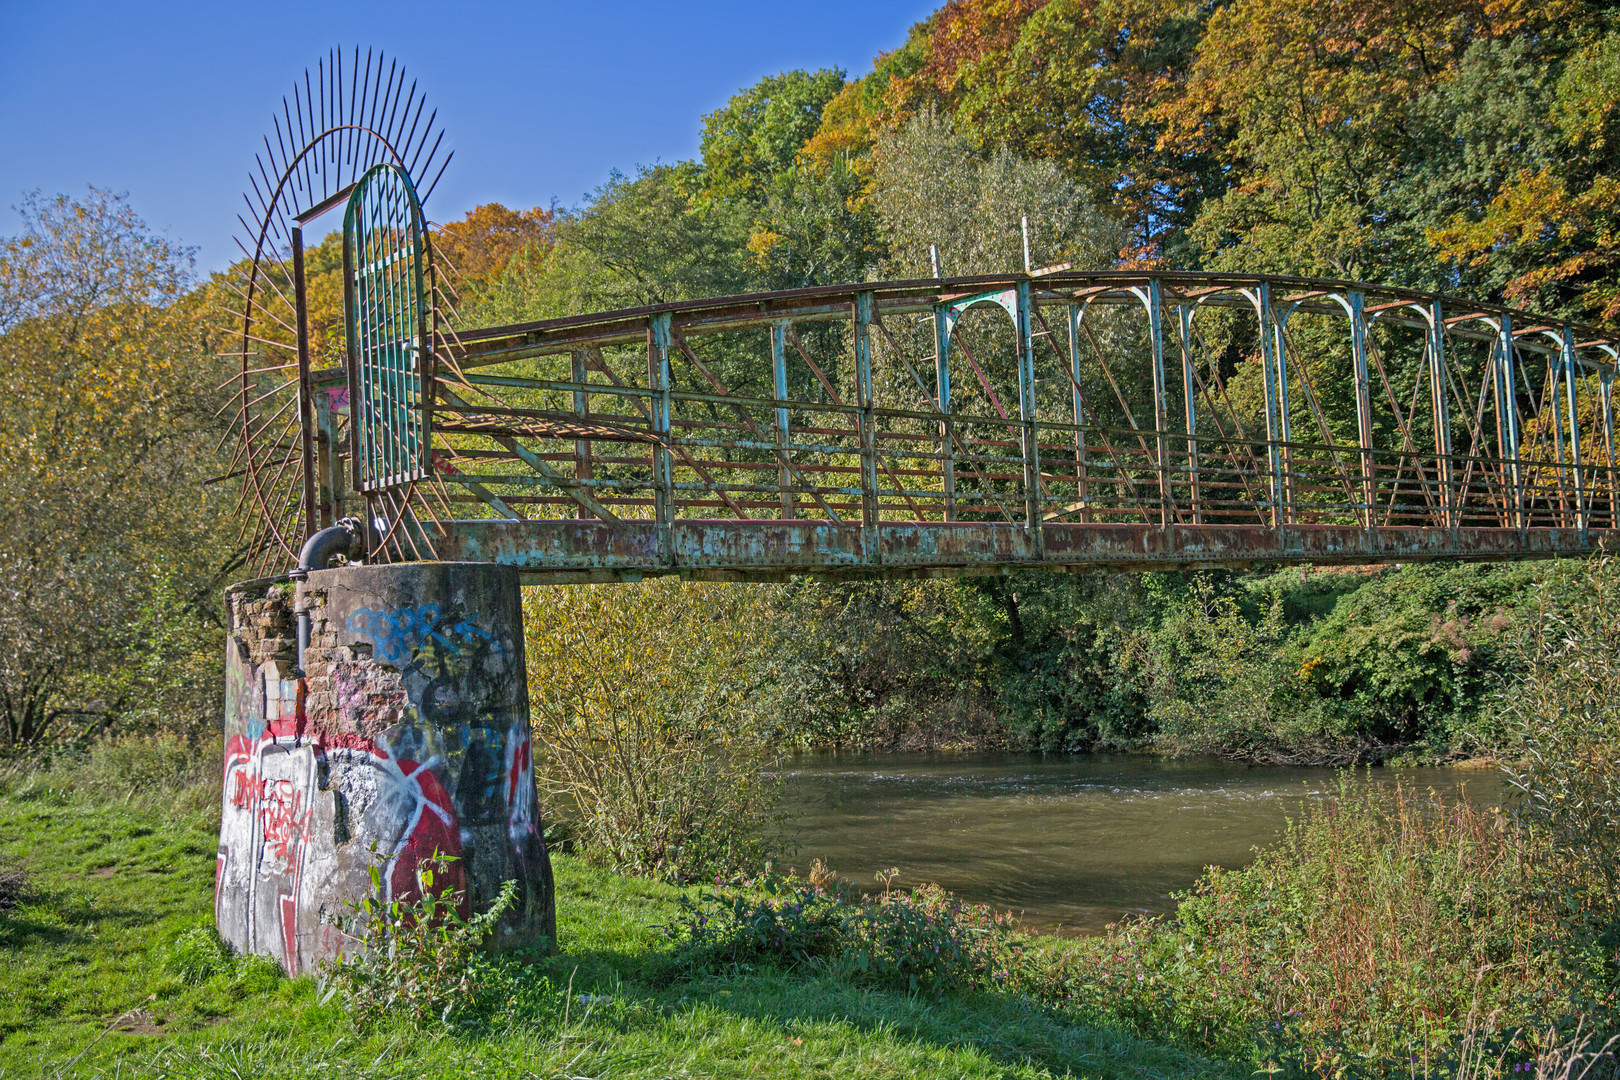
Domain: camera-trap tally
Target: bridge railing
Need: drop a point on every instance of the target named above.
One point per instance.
(989, 415)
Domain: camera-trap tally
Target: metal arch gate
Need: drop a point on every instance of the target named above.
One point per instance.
(390, 359)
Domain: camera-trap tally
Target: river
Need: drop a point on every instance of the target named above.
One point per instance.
(1071, 843)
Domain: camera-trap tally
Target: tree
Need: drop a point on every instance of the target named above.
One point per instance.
(479, 246)
(108, 540)
(758, 133)
(645, 722)
(647, 239)
(1548, 234)
(930, 187)
(817, 227)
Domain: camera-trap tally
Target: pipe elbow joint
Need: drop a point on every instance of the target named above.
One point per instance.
(319, 550)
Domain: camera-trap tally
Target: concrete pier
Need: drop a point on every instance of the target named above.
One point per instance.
(404, 736)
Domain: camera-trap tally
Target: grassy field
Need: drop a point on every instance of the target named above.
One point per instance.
(96, 982)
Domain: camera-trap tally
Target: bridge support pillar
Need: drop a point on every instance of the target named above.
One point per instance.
(399, 736)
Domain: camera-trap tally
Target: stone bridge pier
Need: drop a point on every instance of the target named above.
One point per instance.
(401, 735)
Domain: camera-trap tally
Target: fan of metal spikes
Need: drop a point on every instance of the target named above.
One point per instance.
(349, 120)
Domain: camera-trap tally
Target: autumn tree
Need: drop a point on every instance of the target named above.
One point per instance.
(478, 248)
(1548, 233)
(110, 544)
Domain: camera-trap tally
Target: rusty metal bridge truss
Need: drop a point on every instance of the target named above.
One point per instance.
(1062, 419)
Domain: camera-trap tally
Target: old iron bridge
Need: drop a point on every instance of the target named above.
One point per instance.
(1052, 418)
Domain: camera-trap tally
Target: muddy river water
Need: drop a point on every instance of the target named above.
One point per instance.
(1073, 843)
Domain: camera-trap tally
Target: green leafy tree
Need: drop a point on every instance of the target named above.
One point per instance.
(817, 227)
(109, 542)
(757, 135)
(931, 187)
(640, 240)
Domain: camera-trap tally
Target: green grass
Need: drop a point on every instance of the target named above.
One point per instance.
(90, 987)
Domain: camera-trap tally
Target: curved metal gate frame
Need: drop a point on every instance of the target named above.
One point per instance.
(390, 356)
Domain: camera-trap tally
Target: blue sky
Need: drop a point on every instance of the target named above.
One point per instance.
(167, 101)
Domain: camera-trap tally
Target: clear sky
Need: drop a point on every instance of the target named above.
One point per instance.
(167, 101)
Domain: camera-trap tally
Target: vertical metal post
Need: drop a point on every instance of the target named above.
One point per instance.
(582, 408)
(784, 481)
(306, 392)
(1364, 421)
(1582, 515)
(1081, 476)
(1606, 392)
(1508, 417)
(1288, 508)
(1026, 415)
(942, 388)
(1550, 410)
(1024, 225)
(1160, 412)
(328, 480)
(861, 326)
(1442, 414)
(353, 326)
(1190, 398)
(658, 382)
(1269, 335)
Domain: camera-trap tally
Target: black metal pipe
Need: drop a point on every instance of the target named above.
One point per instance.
(319, 550)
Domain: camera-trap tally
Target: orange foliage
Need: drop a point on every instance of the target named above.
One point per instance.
(479, 246)
(967, 31)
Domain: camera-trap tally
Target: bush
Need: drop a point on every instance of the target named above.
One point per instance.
(420, 960)
(1382, 926)
(646, 724)
(1223, 685)
(896, 664)
(924, 939)
(1561, 718)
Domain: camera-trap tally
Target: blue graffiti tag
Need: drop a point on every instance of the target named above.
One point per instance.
(422, 637)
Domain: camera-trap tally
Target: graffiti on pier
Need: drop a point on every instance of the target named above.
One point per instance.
(424, 639)
(413, 746)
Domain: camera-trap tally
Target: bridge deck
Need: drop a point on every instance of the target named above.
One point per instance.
(722, 550)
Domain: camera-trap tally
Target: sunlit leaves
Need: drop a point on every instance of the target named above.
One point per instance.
(644, 718)
(106, 380)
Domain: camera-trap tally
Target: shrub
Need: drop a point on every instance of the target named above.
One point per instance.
(902, 664)
(924, 939)
(1561, 717)
(1223, 685)
(417, 959)
(645, 723)
(1380, 927)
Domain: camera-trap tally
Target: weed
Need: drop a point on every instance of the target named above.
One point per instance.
(13, 886)
(419, 959)
(1375, 931)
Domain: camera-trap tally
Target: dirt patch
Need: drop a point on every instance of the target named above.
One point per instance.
(13, 887)
(104, 871)
(137, 1022)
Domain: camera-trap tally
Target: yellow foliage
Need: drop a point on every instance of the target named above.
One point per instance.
(642, 699)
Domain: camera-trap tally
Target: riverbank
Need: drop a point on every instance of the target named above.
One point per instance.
(1385, 932)
(102, 975)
